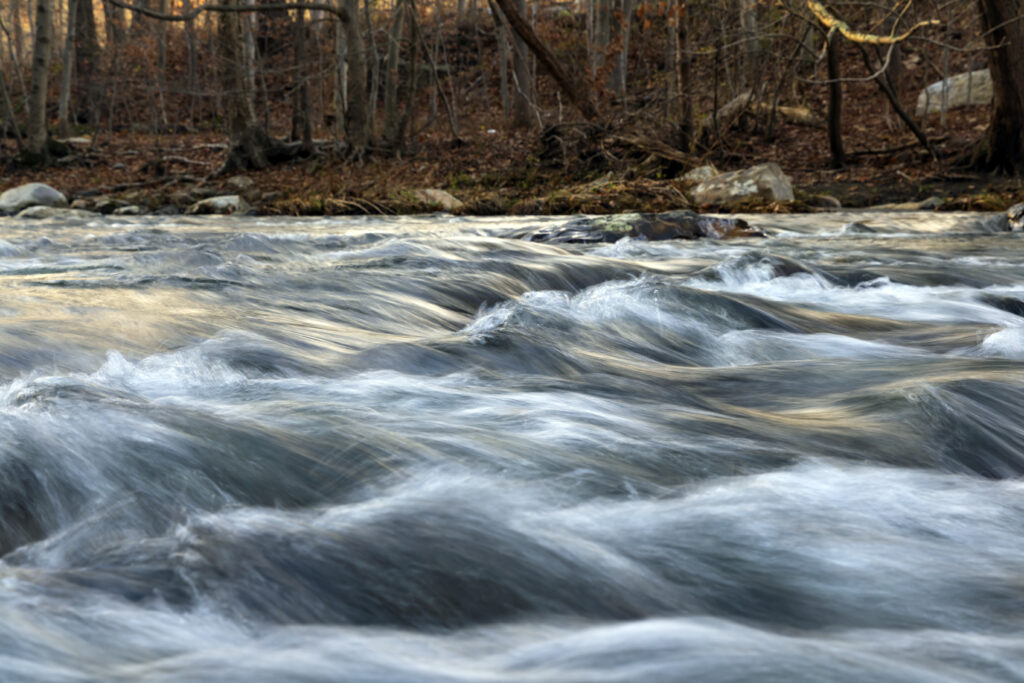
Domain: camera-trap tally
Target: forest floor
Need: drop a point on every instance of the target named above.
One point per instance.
(493, 169)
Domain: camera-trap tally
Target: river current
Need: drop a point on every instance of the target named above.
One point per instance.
(418, 449)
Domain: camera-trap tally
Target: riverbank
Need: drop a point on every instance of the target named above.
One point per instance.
(489, 173)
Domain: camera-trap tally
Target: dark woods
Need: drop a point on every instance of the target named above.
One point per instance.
(674, 79)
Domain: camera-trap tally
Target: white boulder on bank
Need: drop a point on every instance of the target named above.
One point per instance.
(765, 180)
(698, 175)
(224, 204)
(972, 88)
(437, 198)
(18, 198)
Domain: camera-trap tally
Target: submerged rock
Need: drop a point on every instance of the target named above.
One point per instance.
(857, 228)
(669, 225)
(33, 194)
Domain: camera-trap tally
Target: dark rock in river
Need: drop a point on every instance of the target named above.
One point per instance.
(685, 225)
(1010, 304)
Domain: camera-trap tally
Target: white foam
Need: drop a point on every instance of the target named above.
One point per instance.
(751, 347)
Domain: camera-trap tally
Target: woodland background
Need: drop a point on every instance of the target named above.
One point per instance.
(344, 106)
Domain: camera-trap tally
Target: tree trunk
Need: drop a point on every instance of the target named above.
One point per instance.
(249, 146)
(114, 23)
(620, 75)
(87, 53)
(602, 34)
(685, 127)
(35, 152)
(65, 82)
(192, 77)
(835, 104)
(340, 81)
(392, 84)
(357, 120)
(302, 127)
(1002, 148)
(161, 68)
(750, 73)
(522, 100)
(503, 69)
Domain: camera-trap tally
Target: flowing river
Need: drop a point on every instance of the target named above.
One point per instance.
(267, 450)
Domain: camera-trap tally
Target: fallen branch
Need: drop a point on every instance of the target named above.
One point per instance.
(652, 146)
(167, 182)
(184, 160)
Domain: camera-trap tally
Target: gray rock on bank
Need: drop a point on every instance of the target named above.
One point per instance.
(224, 204)
(33, 194)
(973, 88)
(440, 199)
(765, 180)
(40, 212)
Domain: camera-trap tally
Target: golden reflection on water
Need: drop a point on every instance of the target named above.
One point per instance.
(104, 317)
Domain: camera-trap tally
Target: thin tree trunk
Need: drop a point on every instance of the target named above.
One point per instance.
(340, 80)
(391, 85)
(192, 78)
(87, 53)
(602, 34)
(750, 73)
(69, 61)
(357, 122)
(408, 93)
(522, 100)
(835, 104)
(503, 68)
(9, 107)
(686, 126)
(374, 59)
(301, 120)
(37, 136)
(19, 34)
(621, 75)
(161, 68)
(672, 81)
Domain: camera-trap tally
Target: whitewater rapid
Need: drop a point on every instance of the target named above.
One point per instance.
(418, 449)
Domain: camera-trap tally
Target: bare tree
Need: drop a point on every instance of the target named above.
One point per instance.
(35, 150)
(1002, 148)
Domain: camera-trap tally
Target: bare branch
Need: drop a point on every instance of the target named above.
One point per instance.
(832, 23)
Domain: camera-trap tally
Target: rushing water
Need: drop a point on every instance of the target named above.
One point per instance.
(419, 450)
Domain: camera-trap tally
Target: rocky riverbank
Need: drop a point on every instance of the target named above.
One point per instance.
(763, 188)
